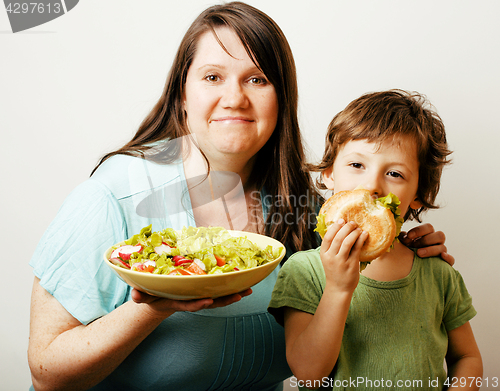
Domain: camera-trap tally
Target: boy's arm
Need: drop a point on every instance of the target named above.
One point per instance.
(463, 359)
(313, 341)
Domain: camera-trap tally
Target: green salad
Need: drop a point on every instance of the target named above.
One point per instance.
(191, 251)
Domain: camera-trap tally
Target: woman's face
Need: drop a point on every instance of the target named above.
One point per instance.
(230, 105)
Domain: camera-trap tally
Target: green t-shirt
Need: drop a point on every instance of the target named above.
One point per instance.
(395, 335)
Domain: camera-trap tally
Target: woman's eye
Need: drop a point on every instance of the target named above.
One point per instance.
(212, 78)
(258, 81)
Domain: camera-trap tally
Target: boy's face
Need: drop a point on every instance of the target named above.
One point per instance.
(391, 167)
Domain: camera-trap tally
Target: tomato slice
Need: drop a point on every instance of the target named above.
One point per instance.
(179, 272)
(149, 268)
(221, 261)
(195, 269)
(141, 267)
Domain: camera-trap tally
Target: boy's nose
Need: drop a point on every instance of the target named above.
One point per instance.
(375, 188)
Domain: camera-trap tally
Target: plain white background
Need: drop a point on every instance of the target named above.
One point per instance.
(78, 87)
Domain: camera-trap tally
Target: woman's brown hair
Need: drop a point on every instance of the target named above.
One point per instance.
(385, 116)
(279, 165)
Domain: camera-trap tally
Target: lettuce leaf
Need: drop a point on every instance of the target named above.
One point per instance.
(320, 225)
(391, 201)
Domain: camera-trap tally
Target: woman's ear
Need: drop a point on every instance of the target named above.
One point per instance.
(327, 177)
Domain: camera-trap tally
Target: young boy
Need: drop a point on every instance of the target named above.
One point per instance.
(393, 325)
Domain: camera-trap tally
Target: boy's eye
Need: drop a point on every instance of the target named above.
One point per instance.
(356, 165)
(395, 174)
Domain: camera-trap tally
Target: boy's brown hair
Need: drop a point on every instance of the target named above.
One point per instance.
(381, 116)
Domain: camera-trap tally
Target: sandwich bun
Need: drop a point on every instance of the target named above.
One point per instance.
(371, 216)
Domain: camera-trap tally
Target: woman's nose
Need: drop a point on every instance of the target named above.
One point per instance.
(234, 96)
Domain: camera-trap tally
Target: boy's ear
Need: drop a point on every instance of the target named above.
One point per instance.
(327, 177)
(416, 204)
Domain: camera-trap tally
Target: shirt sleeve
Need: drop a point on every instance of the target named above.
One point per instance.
(458, 308)
(299, 285)
(69, 258)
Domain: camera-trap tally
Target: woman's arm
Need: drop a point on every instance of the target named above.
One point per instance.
(430, 243)
(313, 341)
(64, 354)
(463, 359)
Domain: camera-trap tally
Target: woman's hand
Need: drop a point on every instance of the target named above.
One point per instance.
(429, 242)
(339, 254)
(158, 304)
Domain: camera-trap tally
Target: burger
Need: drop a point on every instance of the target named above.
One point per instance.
(379, 217)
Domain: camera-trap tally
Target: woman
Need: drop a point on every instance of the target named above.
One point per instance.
(232, 93)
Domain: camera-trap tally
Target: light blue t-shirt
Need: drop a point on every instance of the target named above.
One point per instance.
(238, 347)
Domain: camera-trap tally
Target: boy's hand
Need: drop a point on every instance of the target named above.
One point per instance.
(339, 254)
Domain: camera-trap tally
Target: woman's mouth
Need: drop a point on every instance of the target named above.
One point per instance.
(232, 119)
